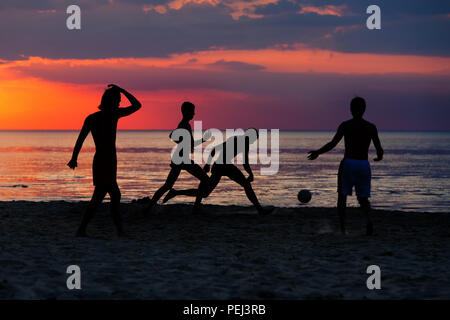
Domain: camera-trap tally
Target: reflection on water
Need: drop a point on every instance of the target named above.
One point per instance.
(413, 176)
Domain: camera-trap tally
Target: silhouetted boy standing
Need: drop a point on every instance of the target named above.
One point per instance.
(103, 126)
(354, 169)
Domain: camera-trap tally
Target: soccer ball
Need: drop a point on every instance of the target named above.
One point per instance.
(304, 196)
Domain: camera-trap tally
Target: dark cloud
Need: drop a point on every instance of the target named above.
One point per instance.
(61, 5)
(235, 65)
(122, 29)
(415, 35)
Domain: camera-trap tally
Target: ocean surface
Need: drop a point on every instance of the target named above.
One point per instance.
(414, 175)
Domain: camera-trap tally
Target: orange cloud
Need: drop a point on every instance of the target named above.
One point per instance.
(160, 8)
(248, 8)
(236, 9)
(329, 10)
(46, 11)
(297, 60)
(346, 28)
(178, 4)
(288, 59)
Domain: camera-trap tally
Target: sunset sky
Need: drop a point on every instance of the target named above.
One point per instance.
(288, 64)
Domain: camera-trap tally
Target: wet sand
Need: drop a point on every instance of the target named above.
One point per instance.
(230, 252)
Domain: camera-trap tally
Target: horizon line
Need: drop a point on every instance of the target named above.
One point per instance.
(282, 130)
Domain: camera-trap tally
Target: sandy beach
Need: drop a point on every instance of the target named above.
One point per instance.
(228, 253)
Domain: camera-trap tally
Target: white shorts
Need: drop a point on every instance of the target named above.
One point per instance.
(354, 173)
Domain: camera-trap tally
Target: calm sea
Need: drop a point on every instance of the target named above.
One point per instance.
(414, 175)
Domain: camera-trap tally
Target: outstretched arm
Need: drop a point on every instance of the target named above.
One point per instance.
(329, 146)
(76, 150)
(135, 104)
(377, 144)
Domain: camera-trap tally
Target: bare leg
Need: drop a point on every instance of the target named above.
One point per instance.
(237, 176)
(96, 200)
(173, 193)
(205, 188)
(196, 171)
(115, 195)
(341, 206)
(170, 181)
(365, 207)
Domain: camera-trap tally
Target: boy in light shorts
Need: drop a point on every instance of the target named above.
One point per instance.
(354, 170)
(354, 173)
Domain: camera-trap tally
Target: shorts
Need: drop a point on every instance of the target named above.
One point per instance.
(356, 173)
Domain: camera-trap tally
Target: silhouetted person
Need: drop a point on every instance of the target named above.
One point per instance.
(225, 167)
(103, 126)
(354, 169)
(188, 112)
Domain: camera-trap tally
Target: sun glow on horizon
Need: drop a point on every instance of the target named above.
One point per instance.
(38, 93)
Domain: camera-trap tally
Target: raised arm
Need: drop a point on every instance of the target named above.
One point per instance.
(329, 146)
(377, 144)
(135, 104)
(81, 137)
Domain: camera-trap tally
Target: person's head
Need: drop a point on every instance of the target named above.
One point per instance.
(110, 100)
(188, 110)
(252, 135)
(358, 107)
